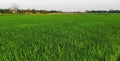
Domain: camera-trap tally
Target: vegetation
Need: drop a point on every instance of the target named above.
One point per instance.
(16, 10)
(26, 11)
(60, 37)
(103, 11)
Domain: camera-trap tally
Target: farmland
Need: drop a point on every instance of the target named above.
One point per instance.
(60, 37)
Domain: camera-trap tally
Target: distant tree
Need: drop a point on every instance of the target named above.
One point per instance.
(114, 11)
(6, 11)
(34, 11)
(43, 11)
(53, 11)
(103, 11)
(14, 9)
(1, 11)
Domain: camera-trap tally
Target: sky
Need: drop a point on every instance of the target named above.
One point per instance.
(63, 5)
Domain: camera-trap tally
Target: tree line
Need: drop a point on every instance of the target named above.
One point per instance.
(103, 11)
(33, 11)
(27, 11)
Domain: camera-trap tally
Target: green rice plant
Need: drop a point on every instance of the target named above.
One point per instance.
(60, 37)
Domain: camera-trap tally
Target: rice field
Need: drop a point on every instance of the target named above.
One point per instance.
(60, 37)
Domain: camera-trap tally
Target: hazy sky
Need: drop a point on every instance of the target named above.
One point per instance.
(64, 5)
